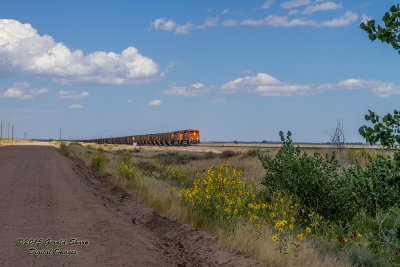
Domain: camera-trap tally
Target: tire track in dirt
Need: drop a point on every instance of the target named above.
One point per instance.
(46, 195)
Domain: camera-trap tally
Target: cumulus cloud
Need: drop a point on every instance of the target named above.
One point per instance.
(184, 29)
(229, 22)
(209, 22)
(155, 102)
(267, 4)
(280, 21)
(163, 24)
(129, 101)
(75, 106)
(72, 94)
(22, 90)
(284, 21)
(346, 19)
(365, 19)
(186, 91)
(266, 85)
(225, 11)
(295, 3)
(321, 7)
(293, 12)
(197, 85)
(24, 51)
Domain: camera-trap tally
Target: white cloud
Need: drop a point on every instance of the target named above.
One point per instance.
(218, 101)
(293, 12)
(186, 91)
(72, 94)
(22, 90)
(267, 4)
(197, 85)
(278, 21)
(184, 29)
(321, 7)
(295, 3)
(346, 19)
(75, 106)
(225, 11)
(209, 22)
(365, 19)
(24, 51)
(155, 102)
(163, 24)
(266, 85)
(129, 101)
(230, 22)
(283, 21)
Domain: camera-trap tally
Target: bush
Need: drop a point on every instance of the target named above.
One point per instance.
(147, 167)
(63, 146)
(227, 154)
(253, 152)
(127, 170)
(98, 160)
(337, 194)
(377, 186)
(222, 196)
(75, 144)
(313, 179)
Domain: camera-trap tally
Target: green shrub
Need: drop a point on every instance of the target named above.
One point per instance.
(131, 173)
(227, 154)
(337, 194)
(147, 167)
(210, 155)
(314, 179)
(377, 186)
(75, 144)
(253, 152)
(362, 257)
(63, 146)
(98, 160)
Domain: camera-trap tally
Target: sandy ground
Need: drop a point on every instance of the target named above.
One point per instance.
(52, 205)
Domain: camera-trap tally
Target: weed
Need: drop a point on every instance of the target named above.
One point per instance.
(98, 160)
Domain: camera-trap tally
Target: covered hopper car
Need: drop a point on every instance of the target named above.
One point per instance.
(177, 138)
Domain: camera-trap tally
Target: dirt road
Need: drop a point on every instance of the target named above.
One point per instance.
(64, 213)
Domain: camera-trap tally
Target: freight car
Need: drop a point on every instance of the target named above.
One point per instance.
(177, 138)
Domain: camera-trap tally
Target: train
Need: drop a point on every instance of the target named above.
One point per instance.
(176, 138)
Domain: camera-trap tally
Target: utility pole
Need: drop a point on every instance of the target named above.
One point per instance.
(8, 136)
(1, 129)
(60, 133)
(13, 132)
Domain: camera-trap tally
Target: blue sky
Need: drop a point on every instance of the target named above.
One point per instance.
(235, 70)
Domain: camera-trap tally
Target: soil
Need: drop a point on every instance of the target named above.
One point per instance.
(69, 215)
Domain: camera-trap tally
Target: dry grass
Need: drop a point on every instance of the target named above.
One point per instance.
(264, 250)
(160, 198)
(6, 141)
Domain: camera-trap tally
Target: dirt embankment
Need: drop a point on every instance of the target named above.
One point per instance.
(59, 207)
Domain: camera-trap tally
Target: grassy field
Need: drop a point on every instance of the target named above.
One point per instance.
(159, 175)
